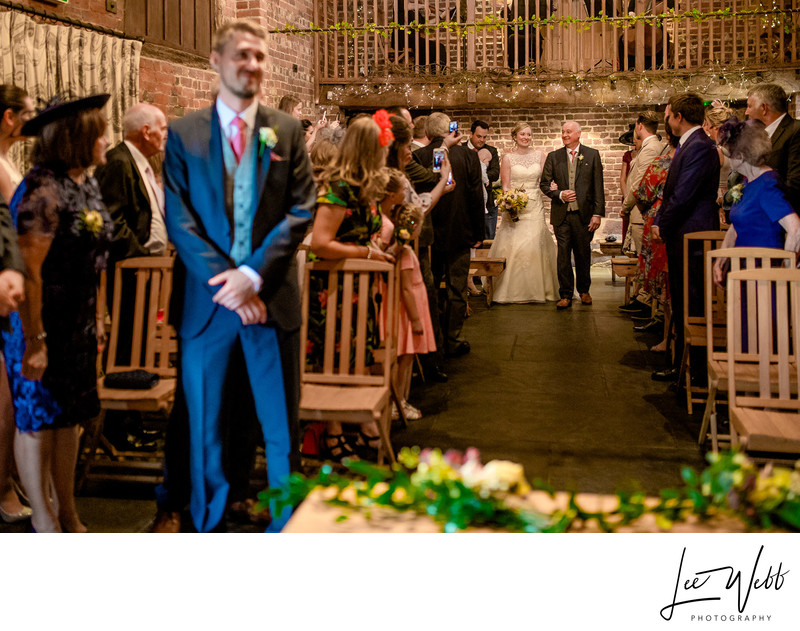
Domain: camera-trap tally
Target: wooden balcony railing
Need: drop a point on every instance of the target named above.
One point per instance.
(763, 40)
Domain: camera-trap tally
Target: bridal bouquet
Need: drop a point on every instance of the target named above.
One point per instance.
(514, 202)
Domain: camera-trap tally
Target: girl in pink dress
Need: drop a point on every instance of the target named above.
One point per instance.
(415, 333)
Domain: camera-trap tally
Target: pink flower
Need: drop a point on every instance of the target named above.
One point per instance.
(454, 457)
(472, 454)
(309, 347)
(323, 298)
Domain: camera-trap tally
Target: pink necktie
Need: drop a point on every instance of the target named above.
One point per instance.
(572, 153)
(238, 138)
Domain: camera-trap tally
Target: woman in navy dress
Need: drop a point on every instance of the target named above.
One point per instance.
(760, 216)
(64, 231)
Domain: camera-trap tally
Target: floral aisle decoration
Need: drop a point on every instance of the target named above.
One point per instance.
(514, 202)
(459, 492)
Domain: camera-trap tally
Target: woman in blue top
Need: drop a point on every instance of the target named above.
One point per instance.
(760, 216)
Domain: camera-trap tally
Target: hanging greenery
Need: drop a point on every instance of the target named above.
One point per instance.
(783, 18)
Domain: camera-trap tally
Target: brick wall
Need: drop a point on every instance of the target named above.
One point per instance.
(600, 130)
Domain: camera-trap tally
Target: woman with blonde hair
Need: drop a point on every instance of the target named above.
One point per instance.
(525, 241)
(347, 224)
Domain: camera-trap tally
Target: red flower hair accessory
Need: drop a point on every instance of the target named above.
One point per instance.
(382, 118)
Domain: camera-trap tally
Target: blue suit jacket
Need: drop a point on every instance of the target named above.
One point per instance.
(690, 193)
(200, 226)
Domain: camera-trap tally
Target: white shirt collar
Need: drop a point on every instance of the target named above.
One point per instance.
(226, 116)
(774, 125)
(648, 139)
(138, 158)
(685, 136)
(577, 148)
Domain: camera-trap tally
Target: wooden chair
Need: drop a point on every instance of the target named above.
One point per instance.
(717, 319)
(694, 326)
(152, 347)
(344, 391)
(765, 411)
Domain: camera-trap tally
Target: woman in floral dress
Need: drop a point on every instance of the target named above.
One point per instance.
(347, 224)
(64, 232)
(653, 257)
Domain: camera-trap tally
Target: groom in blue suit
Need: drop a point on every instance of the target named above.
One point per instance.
(690, 205)
(239, 192)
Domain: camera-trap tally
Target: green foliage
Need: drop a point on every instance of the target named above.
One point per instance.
(768, 17)
(458, 493)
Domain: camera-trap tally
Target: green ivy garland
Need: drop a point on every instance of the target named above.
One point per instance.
(458, 492)
(494, 22)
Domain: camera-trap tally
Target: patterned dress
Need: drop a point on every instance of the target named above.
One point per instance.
(74, 216)
(359, 225)
(653, 257)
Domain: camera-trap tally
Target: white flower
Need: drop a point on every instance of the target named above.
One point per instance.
(266, 138)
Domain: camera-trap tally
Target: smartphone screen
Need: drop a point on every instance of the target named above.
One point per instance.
(438, 156)
(453, 126)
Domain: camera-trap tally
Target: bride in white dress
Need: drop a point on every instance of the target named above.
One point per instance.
(527, 245)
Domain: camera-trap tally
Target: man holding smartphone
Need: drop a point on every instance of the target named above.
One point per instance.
(458, 225)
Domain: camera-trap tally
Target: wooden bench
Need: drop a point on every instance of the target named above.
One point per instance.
(625, 267)
(482, 265)
(612, 249)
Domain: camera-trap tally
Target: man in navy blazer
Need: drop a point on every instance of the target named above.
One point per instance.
(239, 194)
(690, 205)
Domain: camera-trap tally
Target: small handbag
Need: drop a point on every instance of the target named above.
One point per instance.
(131, 380)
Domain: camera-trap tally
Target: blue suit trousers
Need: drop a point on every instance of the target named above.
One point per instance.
(205, 360)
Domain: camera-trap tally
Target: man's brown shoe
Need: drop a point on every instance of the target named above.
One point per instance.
(586, 299)
(167, 522)
(563, 303)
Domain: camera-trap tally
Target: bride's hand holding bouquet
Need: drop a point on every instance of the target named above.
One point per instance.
(514, 202)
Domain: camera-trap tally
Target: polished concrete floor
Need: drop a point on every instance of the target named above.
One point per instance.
(566, 393)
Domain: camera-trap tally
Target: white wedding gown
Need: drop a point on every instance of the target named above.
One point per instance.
(527, 245)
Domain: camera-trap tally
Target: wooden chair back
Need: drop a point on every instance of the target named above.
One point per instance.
(711, 240)
(715, 298)
(766, 336)
(345, 336)
(152, 339)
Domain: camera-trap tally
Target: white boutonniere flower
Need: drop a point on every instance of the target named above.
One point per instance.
(580, 157)
(737, 192)
(266, 138)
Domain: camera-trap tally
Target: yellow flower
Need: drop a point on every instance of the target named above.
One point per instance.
(404, 233)
(92, 221)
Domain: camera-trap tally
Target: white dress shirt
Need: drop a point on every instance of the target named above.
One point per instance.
(688, 133)
(774, 125)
